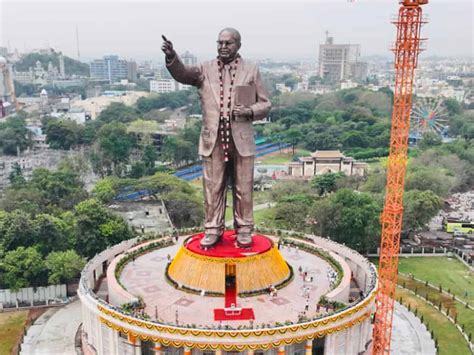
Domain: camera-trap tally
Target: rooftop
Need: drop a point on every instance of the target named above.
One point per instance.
(327, 154)
(145, 277)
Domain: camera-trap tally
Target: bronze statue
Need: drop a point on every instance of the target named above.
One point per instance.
(232, 96)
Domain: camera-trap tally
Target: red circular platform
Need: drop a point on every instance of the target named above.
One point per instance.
(227, 247)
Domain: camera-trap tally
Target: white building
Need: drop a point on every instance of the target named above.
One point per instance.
(281, 87)
(162, 86)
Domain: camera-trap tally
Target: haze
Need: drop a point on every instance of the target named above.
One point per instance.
(279, 30)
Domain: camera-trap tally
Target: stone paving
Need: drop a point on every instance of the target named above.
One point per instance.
(145, 277)
(54, 332)
(409, 335)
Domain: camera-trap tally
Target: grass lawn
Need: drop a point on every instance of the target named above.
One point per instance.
(448, 272)
(449, 338)
(11, 327)
(278, 158)
(464, 315)
(264, 218)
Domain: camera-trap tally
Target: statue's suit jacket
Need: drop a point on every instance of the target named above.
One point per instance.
(205, 77)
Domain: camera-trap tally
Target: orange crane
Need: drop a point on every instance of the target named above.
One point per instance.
(407, 48)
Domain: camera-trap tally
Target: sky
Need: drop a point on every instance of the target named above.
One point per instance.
(280, 30)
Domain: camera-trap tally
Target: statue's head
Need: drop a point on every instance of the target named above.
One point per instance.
(228, 44)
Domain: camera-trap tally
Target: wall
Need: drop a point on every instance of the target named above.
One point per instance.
(30, 294)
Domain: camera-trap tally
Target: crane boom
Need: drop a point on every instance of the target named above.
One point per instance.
(407, 48)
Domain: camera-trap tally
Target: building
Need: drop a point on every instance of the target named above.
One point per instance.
(163, 86)
(110, 67)
(62, 66)
(326, 161)
(132, 71)
(168, 296)
(7, 89)
(281, 87)
(340, 62)
(188, 58)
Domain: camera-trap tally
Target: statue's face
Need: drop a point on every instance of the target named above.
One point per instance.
(227, 46)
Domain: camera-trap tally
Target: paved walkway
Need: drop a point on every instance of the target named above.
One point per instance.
(409, 335)
(146, 277)
(53, 333)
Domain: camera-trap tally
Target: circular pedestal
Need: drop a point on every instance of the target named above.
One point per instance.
(252, 269)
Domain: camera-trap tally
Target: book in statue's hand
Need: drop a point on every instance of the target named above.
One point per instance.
(245, 95)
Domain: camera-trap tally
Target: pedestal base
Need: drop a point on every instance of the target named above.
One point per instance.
(251, 269)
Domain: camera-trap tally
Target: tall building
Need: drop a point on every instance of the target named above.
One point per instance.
(110, 68)
(132, 71)
(340, 61)
(188, 58)
(7, 89)
(62, 67)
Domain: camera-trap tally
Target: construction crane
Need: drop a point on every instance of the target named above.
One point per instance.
(407, 48)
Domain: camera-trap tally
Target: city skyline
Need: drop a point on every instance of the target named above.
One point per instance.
(31, 25)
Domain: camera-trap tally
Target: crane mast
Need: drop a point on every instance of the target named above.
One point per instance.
(407, 48)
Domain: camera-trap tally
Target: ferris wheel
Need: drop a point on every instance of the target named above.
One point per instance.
(429, 115)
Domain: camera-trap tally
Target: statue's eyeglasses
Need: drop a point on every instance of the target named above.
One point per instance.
(226, 43)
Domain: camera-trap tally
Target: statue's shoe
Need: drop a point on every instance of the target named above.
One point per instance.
(210, 239)
(244, 240)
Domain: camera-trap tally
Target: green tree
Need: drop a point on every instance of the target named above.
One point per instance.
(16, 230)
(430, 139)
(23, 267)
(425, 178)
(326, 183)
(62, 188)
(419, 208)
(14, 137)
(63, 266)
(97, 228)
(115, 144)
(107, 188)
(26, 198)
(150, 156)
(354, 139)
(63, 134)
(349, 217)
(16, 176)
(118, 112)
(178, 150)
(293, 136)
(51, 234)
(184, 210)
(291, 215)
(453, 106)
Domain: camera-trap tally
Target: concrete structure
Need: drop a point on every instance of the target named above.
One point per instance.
(340, 62)
(53, 332)
(326, 161)
(7, 89)
(163, 86)
(188, 58)
(172, 321)
(30, 296)
(132, 71)
(110, 67)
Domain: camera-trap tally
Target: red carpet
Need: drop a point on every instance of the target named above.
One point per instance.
(246, 314)
(230, 296)
(227, 247)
